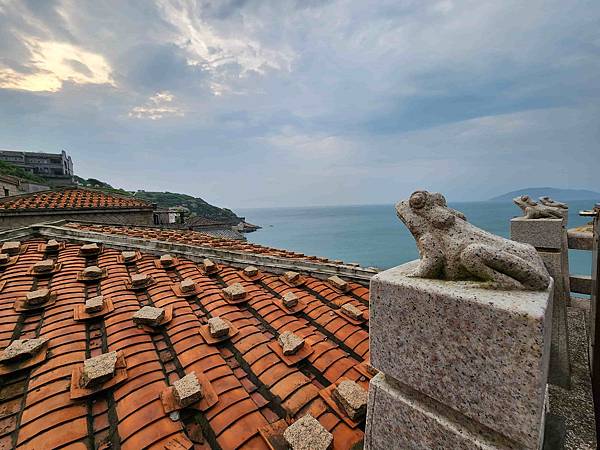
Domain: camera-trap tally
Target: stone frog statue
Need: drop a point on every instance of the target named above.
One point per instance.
(453, 249)
(533, 210)
(547, 201)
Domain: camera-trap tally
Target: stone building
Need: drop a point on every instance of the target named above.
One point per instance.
(10, 185)
(57, 168)
(73, 204)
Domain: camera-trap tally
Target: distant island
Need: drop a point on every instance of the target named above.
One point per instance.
(557, 194)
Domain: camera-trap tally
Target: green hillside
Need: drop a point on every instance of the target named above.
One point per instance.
(195, 205)
(9, 169)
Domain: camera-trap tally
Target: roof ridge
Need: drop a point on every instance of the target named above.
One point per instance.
(197, 253)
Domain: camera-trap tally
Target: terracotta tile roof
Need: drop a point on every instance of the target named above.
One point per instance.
(197, 238)
(254, 385)
(75, 198)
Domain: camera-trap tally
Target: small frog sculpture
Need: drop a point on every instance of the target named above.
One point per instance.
(547, 201)
(533, 210)
(453, 249)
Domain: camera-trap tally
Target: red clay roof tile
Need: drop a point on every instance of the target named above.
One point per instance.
(70, 198)
(254, 386)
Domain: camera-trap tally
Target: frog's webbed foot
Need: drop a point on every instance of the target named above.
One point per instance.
(432, 259)
(427, 268)
(505, 269)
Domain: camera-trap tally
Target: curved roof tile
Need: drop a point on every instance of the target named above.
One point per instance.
(254, 385)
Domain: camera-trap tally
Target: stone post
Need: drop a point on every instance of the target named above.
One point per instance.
(461, 366)
(549, 237)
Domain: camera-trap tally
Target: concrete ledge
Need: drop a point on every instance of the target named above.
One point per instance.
(579, 240)
(401, 418)
(581, 284)
(481, 352)
(541, 233)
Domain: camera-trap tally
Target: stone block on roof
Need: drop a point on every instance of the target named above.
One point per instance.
(209, 266)
(37, 297)
(52, 245)
(139, 280)
(99, 369)
(149, 315)
(167, 260)
(290, 300)
(307, 433)
(235, 291)
(44, 266)
(218, 327)
(290, 343)
(94, 304)
(11, 247)
(187, 285)
(352, 398)
(339, 283)
(351, 311)
(128, 256)
(21, 349)
(291, 276)
(251, 271)
(92, 273)
(89, 249)
(187, 390)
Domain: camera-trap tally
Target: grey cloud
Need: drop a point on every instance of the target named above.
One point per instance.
(318, 102)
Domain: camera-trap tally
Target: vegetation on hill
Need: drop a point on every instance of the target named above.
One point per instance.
(9, 169)
(100, 185)
(195, 205)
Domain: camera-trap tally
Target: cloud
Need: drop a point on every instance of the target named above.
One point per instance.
(51, 64)
(212, 48)
(159, 106)
(330, 101)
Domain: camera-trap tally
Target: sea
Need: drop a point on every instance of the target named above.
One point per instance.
(373, 236)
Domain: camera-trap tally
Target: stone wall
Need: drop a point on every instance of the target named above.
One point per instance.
(7, 188)
(125, 217)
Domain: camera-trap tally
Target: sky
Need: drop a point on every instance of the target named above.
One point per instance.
(295, 103)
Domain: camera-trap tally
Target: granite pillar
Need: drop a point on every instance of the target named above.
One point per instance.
(460, 364)
(549, 237)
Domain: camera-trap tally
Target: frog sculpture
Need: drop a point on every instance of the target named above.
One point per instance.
(547, 201)
(533, 210)
(453, 249)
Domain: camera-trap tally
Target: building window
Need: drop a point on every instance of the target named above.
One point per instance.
(6, 192)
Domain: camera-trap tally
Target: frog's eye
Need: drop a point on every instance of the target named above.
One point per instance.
(417, 200)
(525, 198)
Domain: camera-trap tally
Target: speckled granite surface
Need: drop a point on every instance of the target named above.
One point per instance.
(541, 233)
(406, 419)
(481, 352)
(576, 404)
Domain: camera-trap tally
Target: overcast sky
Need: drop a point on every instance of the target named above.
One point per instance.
(283, 103)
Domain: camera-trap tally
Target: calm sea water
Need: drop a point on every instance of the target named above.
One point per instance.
(373, 236)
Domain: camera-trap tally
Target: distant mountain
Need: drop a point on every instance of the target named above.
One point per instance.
(563, 195)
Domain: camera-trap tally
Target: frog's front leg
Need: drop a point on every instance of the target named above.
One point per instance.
(432, 258)
(506, 269)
